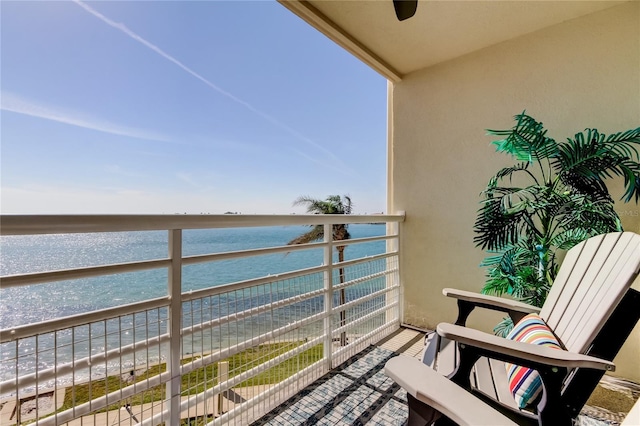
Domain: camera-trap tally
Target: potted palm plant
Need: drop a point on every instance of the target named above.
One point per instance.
(553, 197)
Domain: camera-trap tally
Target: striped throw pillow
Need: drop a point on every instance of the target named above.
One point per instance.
(524, 383)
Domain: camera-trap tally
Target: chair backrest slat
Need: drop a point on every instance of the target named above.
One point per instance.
(573, 268)
(600, 271)
(593, 257)
(565, 274)
(606, 292)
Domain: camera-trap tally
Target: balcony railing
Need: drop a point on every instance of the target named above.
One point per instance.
(209, 348)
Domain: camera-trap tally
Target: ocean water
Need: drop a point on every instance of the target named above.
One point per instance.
(36, 253)
(35, 303)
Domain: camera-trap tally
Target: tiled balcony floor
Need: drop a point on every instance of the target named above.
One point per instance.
(358, 392)
(355, 393)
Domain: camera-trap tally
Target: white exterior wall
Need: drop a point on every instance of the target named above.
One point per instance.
(582, 73)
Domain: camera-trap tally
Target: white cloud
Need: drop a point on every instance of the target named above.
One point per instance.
(13, 103)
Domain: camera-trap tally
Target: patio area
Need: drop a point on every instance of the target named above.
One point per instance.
(264, 350)
(358, 392)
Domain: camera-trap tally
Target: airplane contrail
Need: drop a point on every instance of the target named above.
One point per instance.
(123, 28)
(13, 103)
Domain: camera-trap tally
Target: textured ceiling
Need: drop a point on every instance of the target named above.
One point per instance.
(440, 30)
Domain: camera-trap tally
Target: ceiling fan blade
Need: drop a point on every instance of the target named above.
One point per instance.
(405, 9)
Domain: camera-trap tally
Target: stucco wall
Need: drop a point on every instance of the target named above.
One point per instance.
(582, 73)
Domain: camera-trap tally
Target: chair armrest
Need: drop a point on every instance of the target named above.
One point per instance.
(519, 352)
(438, 392)
(490, 302)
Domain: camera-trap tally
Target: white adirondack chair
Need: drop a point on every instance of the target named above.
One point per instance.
(591, 309)
(452, 401)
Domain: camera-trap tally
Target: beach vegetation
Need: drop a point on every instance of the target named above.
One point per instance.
(333, 204)
(199, 379)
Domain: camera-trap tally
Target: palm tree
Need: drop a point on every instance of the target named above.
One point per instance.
(334, 204)
(557, 198)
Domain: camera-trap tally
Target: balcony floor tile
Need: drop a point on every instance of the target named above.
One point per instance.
(358, 392)
(355, 393)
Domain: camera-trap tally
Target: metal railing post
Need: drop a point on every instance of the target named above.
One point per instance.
(175, 324)
(223, 376)
(328, 295)
(401, 304)
(393, 228)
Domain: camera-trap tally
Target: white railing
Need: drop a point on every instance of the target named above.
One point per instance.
(224, 353)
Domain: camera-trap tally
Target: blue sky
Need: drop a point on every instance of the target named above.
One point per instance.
(174, 107)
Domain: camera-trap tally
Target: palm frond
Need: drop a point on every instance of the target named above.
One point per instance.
(526, 141)
(496, 228)
(584, 162)
(596, 216)
(508, 172)
(510, 258)
(515, 270)
(503, 328)
(534, 294)
(629, 136)
(507, 215)
(500, 191)
(333, 204)
(623, 143)
(316, 234)
(567, 239)
(631, 172)
(583, 165)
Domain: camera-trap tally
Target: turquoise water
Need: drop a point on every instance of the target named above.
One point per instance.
(35, 303)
